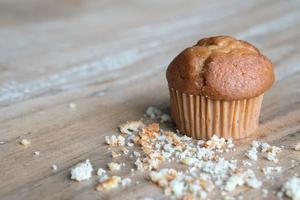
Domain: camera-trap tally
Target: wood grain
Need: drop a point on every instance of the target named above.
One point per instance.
(109, 58)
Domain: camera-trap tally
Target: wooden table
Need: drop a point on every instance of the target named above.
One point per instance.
(109, 58)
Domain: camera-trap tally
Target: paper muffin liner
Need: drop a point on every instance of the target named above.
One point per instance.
(200, 117)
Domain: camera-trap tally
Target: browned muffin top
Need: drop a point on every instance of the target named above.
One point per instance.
(222, 68)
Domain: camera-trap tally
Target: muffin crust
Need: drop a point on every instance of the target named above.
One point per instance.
(221, 68)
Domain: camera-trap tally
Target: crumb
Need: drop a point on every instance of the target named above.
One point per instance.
(82, 171)
(130, 144)
(271, 151)
(252, 154)
(101, 172)
(136, 154)
(126, 182)
(163, 176)
(54, 167)
(297, 147)
(291, 188)
(247, 177)
(153, 112)
(139, 165)
(72, 105)
(265, 192)
(109, 183)
(36, 153)
(177, 187)
(125, 150)
(254, 183)
(265, 147)
(269, 170)
(115, 140)
(271, 157)
(25, 142)
(131, 127)
(246, 163)
(233, 182)
(255, 144)
(114, 166)
(215, 143)
(115, 154)
(230, 144)
(165, 118)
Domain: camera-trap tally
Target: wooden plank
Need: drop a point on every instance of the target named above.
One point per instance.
(109, 58)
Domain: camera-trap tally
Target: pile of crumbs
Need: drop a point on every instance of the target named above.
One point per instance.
(203, 167)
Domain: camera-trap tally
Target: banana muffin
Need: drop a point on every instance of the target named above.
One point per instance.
(216, 87)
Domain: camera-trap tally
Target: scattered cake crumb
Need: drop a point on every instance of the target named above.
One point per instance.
(268, 170)
(114, 166)
(291, 188)
(72, 105)
(101, 172)
(272, 157)
(82, 171)
(131, 127)
(165, 118)
(252, 154)
(36, 153)
(233, 182)
(115, 154)
(25, 142)
(271, 151)
(246, 163)
(153, 112)
(247, 177)
(297, 147)
(109, 183)
(265, 192)
(254, 183)
(54, 167)
(255, 144)
(130, 144)
(125, 150)
(115, 140)
(265, 147)
(126, 182)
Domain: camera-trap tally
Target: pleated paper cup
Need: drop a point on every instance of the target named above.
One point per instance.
(200, 117)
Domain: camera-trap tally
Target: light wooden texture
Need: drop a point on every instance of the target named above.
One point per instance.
(109, 58)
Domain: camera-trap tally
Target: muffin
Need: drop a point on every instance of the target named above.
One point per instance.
(216, 87)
